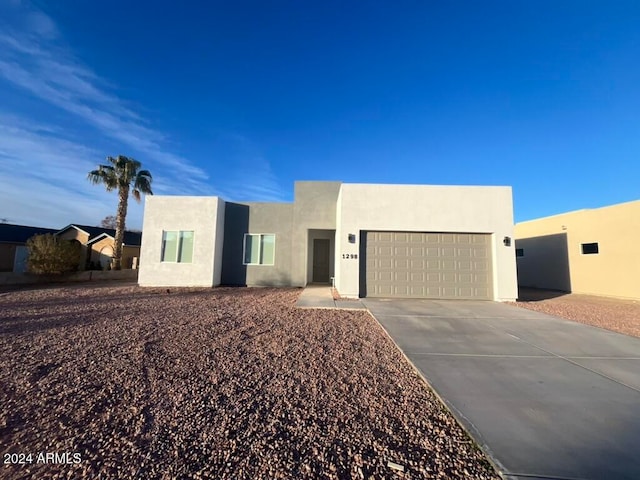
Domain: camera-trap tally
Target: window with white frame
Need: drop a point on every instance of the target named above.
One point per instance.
(177, 246)
(259, 248)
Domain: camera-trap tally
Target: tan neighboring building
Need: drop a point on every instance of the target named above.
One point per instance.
(591, 251)
(97, 246)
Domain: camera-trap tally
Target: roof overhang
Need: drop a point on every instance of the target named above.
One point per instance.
(71, 226)
(100, 237)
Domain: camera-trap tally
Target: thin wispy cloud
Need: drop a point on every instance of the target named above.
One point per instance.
(43, 177)
(47, 157)
(33, 59)
(252, 178)
(45, 171)
(255, 181)
(41, 24)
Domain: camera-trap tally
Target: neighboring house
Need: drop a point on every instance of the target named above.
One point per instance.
(593, 251)
(13, 250)
(371, 240)
(97, 245)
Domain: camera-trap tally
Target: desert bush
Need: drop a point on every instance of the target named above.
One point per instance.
(49, 254)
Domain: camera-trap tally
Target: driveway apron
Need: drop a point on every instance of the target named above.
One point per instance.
(544, 397)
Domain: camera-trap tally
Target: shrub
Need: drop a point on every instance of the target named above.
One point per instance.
(49, 254)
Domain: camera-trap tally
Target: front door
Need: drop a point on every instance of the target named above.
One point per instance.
(321, 260)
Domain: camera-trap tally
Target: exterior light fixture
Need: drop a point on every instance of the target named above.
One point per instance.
(507, 241)
(352, 238)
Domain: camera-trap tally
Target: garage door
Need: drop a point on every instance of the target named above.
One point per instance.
(427, 265)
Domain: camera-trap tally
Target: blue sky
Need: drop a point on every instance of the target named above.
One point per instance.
(240, 99)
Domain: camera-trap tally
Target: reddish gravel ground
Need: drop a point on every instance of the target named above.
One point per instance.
(222, 383)
(611, 313)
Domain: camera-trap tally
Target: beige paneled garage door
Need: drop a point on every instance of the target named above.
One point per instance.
(428, 265)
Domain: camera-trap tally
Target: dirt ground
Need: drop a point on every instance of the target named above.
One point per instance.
(619, 315)
(123, 382)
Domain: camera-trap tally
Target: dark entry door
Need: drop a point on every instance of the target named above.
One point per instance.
(321, 260)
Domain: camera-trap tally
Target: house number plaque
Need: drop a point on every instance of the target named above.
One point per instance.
(350, 256)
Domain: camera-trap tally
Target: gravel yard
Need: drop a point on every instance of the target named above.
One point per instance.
(611, 313)
(222, 383)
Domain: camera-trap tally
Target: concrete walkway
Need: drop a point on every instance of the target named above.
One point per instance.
(546, 398)
(320, 296)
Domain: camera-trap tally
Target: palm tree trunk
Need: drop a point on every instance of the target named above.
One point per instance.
(123, 194)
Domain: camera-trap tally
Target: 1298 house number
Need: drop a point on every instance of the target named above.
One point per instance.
(350, 255)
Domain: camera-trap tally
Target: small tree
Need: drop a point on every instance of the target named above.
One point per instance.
(109, 222)
(49, 254)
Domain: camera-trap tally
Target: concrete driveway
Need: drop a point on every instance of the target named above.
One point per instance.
(544, 397)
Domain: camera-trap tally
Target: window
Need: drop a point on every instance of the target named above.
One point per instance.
(519, 252)
(177, 246)
(259, 249)
(589, 248)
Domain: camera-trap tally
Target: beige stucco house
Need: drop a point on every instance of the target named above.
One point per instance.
(97, 245)
(591, 251)
(422, 241)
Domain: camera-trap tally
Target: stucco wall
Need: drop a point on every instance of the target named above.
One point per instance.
(73, 234)
(83, 238)
(107, 244)
(205, 217)
(218, 242)
(273, 218)
(128, 252)
(546, 262)
(612, 272)
(314, 209)
(426, 208)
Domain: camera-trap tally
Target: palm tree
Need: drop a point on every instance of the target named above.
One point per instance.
(124, 174)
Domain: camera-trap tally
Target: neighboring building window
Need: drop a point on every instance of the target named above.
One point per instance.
(177, 246)
(259, 249)
(519, 252)
(589, 248)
